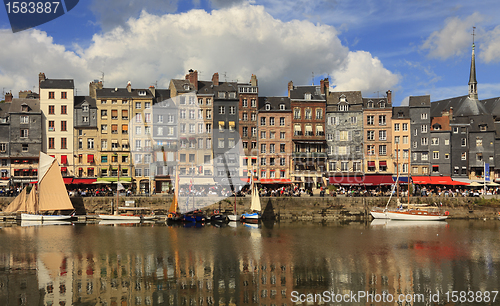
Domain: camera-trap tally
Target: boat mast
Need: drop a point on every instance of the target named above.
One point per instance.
(409, 175)
(117, 191)
(397, 171)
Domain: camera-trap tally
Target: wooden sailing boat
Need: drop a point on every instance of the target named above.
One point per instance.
(254, 206)
(18, 204)
(51, 194)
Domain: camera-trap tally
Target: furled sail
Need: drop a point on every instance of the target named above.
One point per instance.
(44, 163)
(255, 205)
(18, 204)
(31, 202)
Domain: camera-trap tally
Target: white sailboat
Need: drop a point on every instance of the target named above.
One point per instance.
(254, 206)
(50, 196)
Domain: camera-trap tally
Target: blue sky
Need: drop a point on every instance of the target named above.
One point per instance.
(410, 47)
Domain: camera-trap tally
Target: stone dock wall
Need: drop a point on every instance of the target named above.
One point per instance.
(301, 208)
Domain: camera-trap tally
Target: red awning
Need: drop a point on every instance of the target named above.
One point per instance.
(382, 163)
(83, 180)
(26, 170)
(378, 179)
(246, 180)
(90, 158)
(67, 180)
(371, 164)
(275, 181)
(64, 159)
(64, 169)
(436, 180)
(90, 168)
(346, 180)
(80, 168)
(26, 161)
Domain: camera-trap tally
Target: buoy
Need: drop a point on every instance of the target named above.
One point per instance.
(446, 213)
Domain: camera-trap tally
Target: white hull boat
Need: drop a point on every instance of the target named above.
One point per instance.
(416, 215)
(233, 218)
(33, 217)
(120, 217)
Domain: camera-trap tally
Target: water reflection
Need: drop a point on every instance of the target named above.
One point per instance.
(251, 264)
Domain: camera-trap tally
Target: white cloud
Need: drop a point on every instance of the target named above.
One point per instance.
(237, 42)
(363, 72)
(491, 46)
(454, 39)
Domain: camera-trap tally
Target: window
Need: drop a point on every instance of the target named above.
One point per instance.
(370, 150)
(263, 148)
(272, 147)
(263, 161)
(192, 129)
(63, 126)
(434, 141)
(85, 118)
(159, 131)
(64, 143)
(245, 103)
(263, 135)
(221, 143)
(479, 141)
(51, 126)
(446, 142)
(209, 101)
(415, 144)
(308, 114)
(52, 95)
(268, 106)
(138, 105)
(147, 117)
(382, 150)
(435, 154)
(479, 156)
(296, 113)
(64, 109)
(24, 133)
(382, 135)
(147, 105)
(52, 109)
(405, 139)
(104, 158)
(423, 128)
(282, 121)
(447, 156)
(104, 144)
(343, 107)
(138, 130)
(271, 120)
(125, 158)
(424, 141)
(24, 119)
(464, 156)
(3, 148)
(423, 116)
(464, 142)
(396, 127)
(370, 135)
(382, 120)
(51, 143)
(425, 156)
(425, 170)
(370, 120)
(319, 113)
(435, 169)
(90, 143)
(405, 127)
(191, 114)
(183, 114)
(396, 139)
(254, 103)
(282, 135)
(222, 110)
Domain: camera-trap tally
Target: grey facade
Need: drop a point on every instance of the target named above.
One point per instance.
(4, 142)
(85, 112)
(420, 132)
(344, 133)
(481, 144)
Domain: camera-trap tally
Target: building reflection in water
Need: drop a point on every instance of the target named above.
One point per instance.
(246, 265)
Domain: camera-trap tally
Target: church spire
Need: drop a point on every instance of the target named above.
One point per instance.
(472, 77)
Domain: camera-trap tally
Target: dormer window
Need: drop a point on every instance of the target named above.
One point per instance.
(186, 87)
(85, 108)
(436, 127)
(369, 104)
(483, 127)
(307, 96)
(282, 106)
(142, 92)
(382, 104)
(221, 95)
(400, 115)
(24, 108)
(268, 106)
(344, 107)
(232, 95)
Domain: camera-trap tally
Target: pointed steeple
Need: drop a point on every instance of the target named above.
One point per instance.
(472, 77)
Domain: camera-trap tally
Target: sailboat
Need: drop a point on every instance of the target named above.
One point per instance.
(254, 206)
(50, 196)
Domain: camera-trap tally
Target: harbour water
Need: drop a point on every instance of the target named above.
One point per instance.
(394, 263)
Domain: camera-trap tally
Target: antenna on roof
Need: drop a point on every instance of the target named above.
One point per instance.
(76, 91)
(225, 77)
(102, 78)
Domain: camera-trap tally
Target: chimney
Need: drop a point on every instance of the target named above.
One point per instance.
(215, 79)
(129, 87)
(152, 90)
(8, 97)
(389, 96)
(451, 113)
(290, 87)
(192, 77)
(253, 81)
(327, 86)
(41, 78)
(93, 86)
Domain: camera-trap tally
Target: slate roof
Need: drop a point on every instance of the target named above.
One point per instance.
(179, 85)
(477, 121)
(375, 103)
(298, 92)
(275, 103)
(57, 84)
(33, 105)
(4, 109)
(352, 97)
(420, 101)
(162, 94)
(122, 93)
(205, 88)
(79, 100)
(462, 106)
(401, 112)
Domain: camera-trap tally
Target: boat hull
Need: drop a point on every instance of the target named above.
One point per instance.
(233, 218)
(32, 217)
(415, 215)
(120, 217)
(379, 214)
(253, 216)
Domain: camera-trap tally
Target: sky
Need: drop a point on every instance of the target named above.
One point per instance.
(415, 47)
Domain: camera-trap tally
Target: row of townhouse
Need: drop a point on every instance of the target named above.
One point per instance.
(221, 132)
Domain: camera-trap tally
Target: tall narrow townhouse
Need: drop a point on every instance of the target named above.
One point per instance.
(85, 141)
(440, 144)
(5, 170)
(401, 142)
(275, 134)
(114, 111)
(344, 137)
(377, 115)
(309, 153)
(420, 125)
(25, 139)
(248, 105)
(57, 106)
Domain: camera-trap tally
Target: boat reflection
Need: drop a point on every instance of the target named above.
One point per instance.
(246, 265)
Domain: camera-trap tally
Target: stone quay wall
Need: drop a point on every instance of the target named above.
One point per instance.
(298, 208)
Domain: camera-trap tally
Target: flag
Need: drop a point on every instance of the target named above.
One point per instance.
(120, 186)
